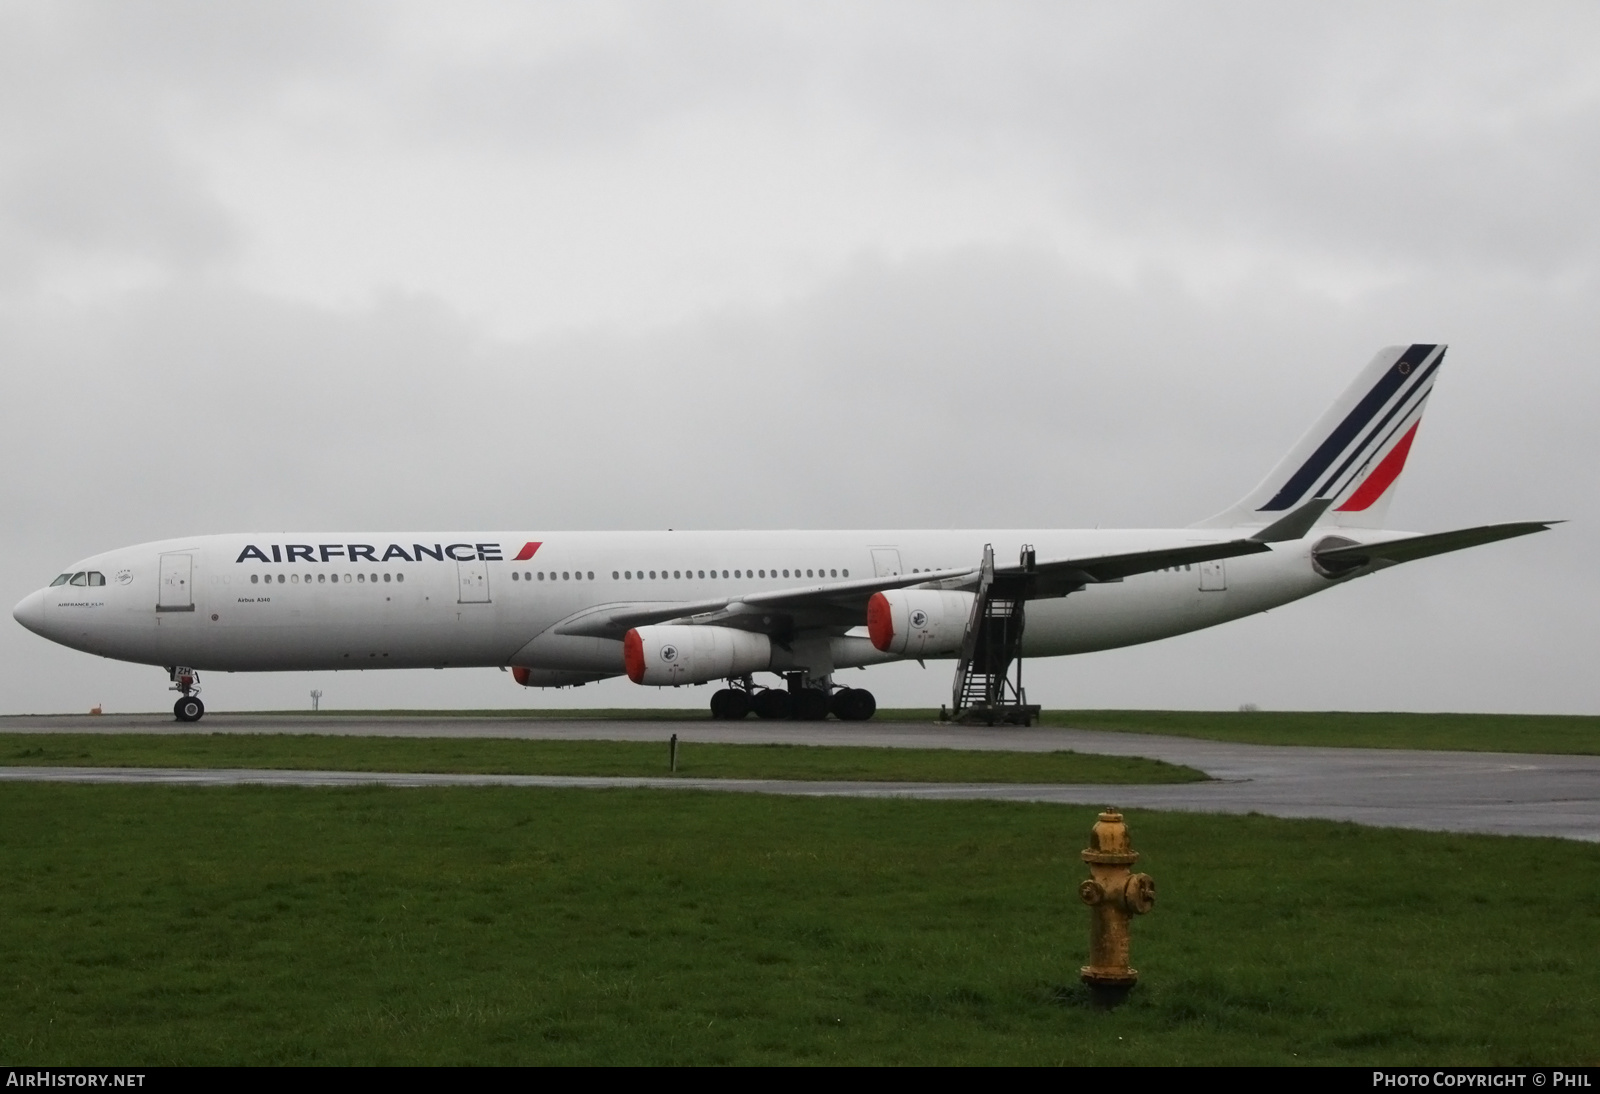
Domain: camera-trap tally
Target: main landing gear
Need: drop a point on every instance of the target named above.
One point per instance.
(800, 702)
(188, 708)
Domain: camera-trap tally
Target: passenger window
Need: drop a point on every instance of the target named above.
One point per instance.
(652, 575)
(321, 578)
(615, 576)
(515, 576)
(255, 579)
(399, 577)
(361, 577)
(294, 579)
(808, 573)
(388, 577)
(833, 573)
(846, 573)
(590, 575)
(763, 573)
(702, 573)
(724, 573)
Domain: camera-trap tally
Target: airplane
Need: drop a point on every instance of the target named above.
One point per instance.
(676, 608)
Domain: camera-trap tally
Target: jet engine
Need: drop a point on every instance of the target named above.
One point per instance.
(666, 656)
(918, 622)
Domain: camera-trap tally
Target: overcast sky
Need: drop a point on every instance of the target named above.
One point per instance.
(755, 265)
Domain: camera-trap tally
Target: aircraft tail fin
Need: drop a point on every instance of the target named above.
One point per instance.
(1352, 457)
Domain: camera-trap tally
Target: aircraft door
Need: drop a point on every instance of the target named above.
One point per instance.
(1213, 576)
(886, 562)
(175, 593)
(474, 578)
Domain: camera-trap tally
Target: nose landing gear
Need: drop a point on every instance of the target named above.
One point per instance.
(188, 708)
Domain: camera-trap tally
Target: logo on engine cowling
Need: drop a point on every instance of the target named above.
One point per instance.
(669, 654)
(919, 618)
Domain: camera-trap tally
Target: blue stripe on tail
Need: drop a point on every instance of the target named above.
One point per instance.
(1354, 422)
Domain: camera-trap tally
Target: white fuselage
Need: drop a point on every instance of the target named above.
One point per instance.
(277, 601)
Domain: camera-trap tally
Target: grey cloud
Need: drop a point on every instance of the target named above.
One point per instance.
(981, 383)
(985, 388)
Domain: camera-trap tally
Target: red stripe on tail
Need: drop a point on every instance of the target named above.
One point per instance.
(1383, 475)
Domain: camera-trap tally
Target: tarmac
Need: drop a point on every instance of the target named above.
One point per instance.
(1487, 792)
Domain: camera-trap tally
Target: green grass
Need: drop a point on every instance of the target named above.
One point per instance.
(536, 757)
(1569, 734)
(172, 925)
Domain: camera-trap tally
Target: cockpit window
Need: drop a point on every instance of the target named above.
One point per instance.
(80, 578)
(96, 577)
(62, 580)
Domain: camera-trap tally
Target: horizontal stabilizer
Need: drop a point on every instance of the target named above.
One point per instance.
(1392, 552)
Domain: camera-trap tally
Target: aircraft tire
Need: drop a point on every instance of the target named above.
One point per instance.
(810, 705)
(854, 705)
(189, 709)
(773, 704)
(839, 704)
(730, 705)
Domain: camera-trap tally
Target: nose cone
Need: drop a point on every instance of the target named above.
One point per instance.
(30, 612)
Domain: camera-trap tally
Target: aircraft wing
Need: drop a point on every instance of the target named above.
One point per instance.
(843, 604)
(1062, 576)
(844, 599)
(1392, 552)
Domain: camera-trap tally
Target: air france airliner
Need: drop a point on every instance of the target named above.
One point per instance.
(676, 608)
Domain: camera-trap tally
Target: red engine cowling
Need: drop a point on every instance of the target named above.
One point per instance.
(918, 622)
(666, 656)
(554, 678)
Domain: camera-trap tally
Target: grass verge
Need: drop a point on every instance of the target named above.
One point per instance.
(250, 925)
(1547, 733)
(536, 757)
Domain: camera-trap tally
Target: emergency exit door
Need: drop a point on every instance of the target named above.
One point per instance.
(886, 562)
(175, 591)
(474, 579)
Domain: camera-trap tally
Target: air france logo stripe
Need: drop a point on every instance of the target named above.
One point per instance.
(1385, 474)
(527, 552)
(1406, 407)
(1357, 420)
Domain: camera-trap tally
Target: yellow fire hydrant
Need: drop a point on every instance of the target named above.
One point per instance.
(1114, 895)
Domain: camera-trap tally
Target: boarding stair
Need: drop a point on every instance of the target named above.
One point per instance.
(988, 682)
